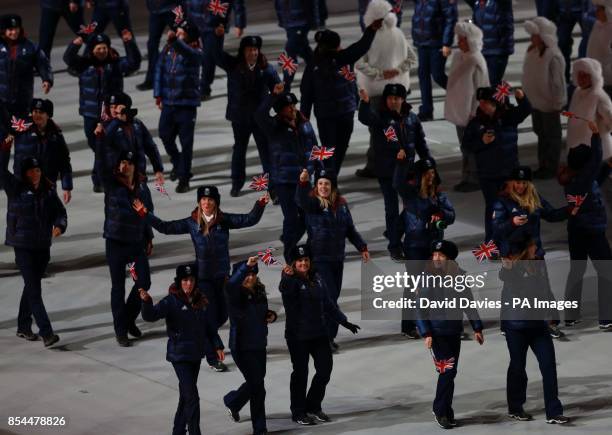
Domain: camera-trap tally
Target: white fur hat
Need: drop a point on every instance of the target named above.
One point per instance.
(471, 32)
(591, 67)
(543, 27)
(376, 10)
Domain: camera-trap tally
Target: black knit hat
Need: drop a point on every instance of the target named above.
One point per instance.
(299, 251)
(209, 192)
(42, 105)
(448, 248)
(10, 21)
(327, 39)
(283, 101)
(395, 89)
(237, 266)
(328, 174)
(250, 41)
(521, 173)
(190, 29)
(579, 156)
(126, 155)
(98, 38)
(120, 99)
(487, 94)
(29, 163)
(184, 271)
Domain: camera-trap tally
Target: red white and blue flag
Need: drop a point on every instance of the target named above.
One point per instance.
(485, 251)
(89, 28)
(390, 134)
(179, 15)
(502, 92)
(321, 153)
(218, 8)
(267, 258)
(104, 115)
(161, 189)
(577, 200)
(19, 125)
(287, 63)
(132, 270)
(260, 182)
(346, 72)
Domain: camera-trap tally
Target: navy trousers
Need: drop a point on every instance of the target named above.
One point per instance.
(157, 24)
(119, 17)
(32, 264)
(118, 255)
(211, 44)
(297, 45)
(446, 347)
(252, 365)
(540, 342)
(496, 65)
(187, 415)
(490, 188)
(331, 272)
(431, 64)
(89, 125)
(415, 264)
(242, 133)
(336, 132)
(48, 25)
(293, 218)
(301, 351)
(391, 203)
(178, 121)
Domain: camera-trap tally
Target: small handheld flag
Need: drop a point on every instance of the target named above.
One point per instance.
(260, 182)
(88, 29)
(571, 115)
(287, 63)
(502, 92)
(390, 134)
(132, 270)
(346, 72)
(577, 200)
(161, 189)
(218, 8)
(442, 365)
(485, 251)
(179, 15)
(321, 153)
(19, 125)
(267, 258)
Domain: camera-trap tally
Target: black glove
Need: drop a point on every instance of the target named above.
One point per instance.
(351, 327)
(271, 316)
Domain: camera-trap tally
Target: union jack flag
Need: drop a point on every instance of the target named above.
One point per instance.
(161, 189)
(218, 8)
(19, 125)
(485, 250)
(346, 72)
(571, 115)
(502, 91)
(442, 365)
(179, 15)
(287, 63)
(390, 134)
(88, 29)
(267, 258)
(321, 153)
(260, 182)
(132, 270)
(104, 115)
(577, 200)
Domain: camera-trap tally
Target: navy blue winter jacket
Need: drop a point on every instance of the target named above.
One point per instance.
(31, 214)
(570, 7)
(212, 249)
(497, 159)
(247, 313)
(505, 209)
(133, 136)
(591, 216)
(308, 307)
(298, 13)
(198, 12)
(495, 19)
(418, 211)
(289, 148)
(99, 80)
(49, 148)
(327, 228)
(191, 330)
(444, 321)
(246, 89)
(433, 23)
(177, 74)
(329, 81)
(18, 62)
(392, 132)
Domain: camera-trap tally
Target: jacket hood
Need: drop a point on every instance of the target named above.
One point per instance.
(607, 4)
(472, 33)
(589, 66)
(378, 9)
(543, 27)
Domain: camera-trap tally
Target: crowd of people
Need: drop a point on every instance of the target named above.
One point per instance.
(371, 77)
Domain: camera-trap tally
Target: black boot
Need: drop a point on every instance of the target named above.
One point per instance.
(183, 186)
(145, 86)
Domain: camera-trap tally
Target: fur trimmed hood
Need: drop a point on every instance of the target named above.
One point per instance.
(378, 9)
(472, 33)
(543, 27)
(590, 66)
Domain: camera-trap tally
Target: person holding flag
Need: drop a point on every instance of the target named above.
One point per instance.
(129, 239)
(249, 79)
(398, 136)
(249, 315)
(291, 139)
(209, 228)
(329, 84)
(586, 228)
(328, 224)
(443, 328)
(101, 71)
(308, 308)
(192, 334)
